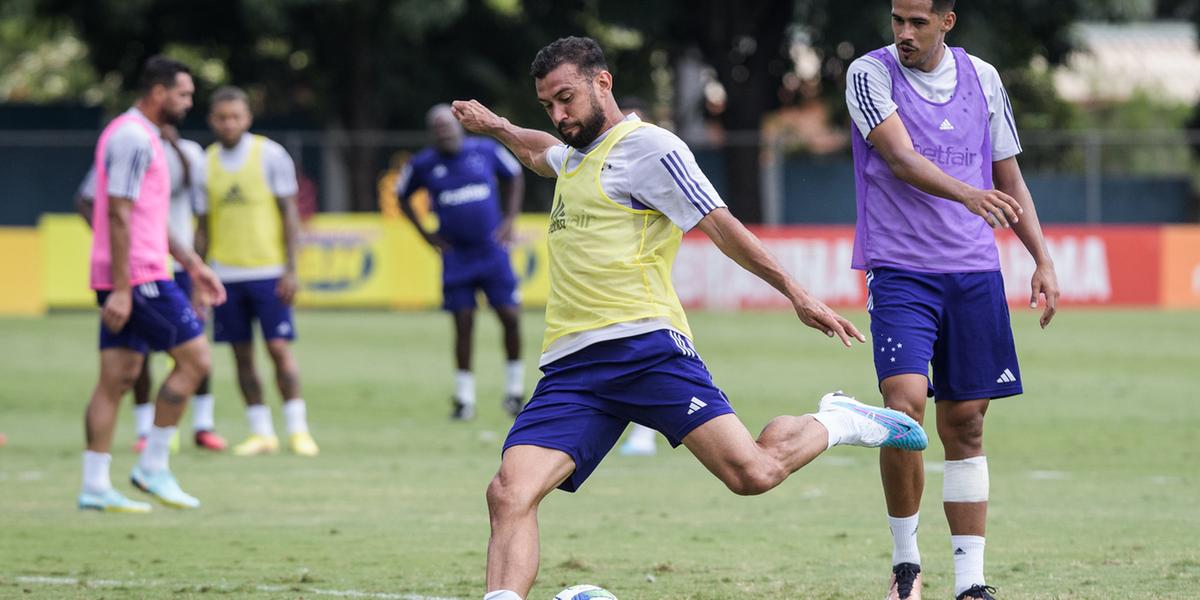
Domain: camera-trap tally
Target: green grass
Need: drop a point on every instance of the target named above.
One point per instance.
(1094, 475)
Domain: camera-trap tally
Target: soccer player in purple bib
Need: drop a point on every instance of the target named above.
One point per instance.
(935, 150)
(466, 178)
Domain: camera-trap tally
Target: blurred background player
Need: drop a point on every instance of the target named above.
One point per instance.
(926, 158)
(249, 230)
(185, 162)
(466, 177)
(142, 308)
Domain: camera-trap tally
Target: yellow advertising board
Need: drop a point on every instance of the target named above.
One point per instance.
(343, 261)
(21, 272)
(369, 261)
(66, 243)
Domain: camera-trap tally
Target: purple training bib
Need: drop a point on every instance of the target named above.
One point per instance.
(902, 227)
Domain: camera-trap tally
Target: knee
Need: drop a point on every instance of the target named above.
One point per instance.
(911, 404)
(126, 376)
(752, 480)
(506, 498)
(964, 432)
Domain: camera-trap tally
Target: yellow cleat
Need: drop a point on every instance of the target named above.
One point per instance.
(257, 444)
(303, 444)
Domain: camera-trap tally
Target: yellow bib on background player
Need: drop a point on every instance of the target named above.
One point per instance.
(608, 263)
(244, 225)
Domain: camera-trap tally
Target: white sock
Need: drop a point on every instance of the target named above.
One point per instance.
(464, 387)
(95, 472)
(258, 416)
(840, 426)
(202, 412)
(501, 595)
(515, 377)
(295, 414)
(143, 418)
(904, 539)
(968, 561)
(158, 449)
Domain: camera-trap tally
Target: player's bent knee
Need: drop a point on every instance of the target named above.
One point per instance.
(753, 480)
(966, 480)
(505, 497)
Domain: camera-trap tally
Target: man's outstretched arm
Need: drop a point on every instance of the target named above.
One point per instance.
(733, 239)
(529, 145)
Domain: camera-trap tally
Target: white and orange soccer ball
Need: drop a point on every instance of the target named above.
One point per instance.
(585, 592)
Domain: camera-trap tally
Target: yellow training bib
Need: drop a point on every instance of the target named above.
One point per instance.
(608, 263)
(245, 228)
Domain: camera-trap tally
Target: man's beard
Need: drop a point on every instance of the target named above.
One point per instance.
(175, 119)
(588, 129)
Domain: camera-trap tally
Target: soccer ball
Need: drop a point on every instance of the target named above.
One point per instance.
(584, 592)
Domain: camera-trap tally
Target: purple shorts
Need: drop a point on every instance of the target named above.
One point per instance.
(162, 318)
(465, 271)
(958, 322)
(585, 400)
(246, 301)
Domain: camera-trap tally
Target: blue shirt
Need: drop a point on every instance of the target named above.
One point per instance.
(464, 188)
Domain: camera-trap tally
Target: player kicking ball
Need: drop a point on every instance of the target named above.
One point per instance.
(617, 347)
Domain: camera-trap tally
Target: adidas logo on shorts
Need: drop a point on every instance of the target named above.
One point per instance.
(1006, 377)
(696, 405)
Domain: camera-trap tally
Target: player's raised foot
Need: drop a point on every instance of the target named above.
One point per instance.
(140, 445)
(463, 411)
(877, 426)
(209, 440)
(905, 583)
(512, 404)
(257, 444)
(303, 444)
(636, 447)
(111, 501)
(979, 592)
(164, 488)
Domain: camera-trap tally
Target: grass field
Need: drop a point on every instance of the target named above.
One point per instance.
(1095, 476)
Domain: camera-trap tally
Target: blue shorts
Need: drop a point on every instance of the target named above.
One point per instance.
(465, 271)
(184, 281)
(162, 318)
(249, 300)
(956, 321)
(585, 400)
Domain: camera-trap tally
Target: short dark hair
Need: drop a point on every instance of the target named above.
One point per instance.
(942, 7)
(583, 52)
(229, 93)
(160, 70)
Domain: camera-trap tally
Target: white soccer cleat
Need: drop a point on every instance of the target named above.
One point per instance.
(877, 427)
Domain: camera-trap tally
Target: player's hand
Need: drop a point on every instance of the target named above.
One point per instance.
(206, 286)
(504, 232)
(286, 288)
(476, 117)
(1045, 285)
(117, 306)
(995, 207)
(815, 314)
(436, 241)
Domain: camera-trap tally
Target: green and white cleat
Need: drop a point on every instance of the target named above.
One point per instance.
(111, 501)
(163, 487)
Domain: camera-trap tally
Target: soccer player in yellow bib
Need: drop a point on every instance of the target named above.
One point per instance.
(617, 347)
(250, 231)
